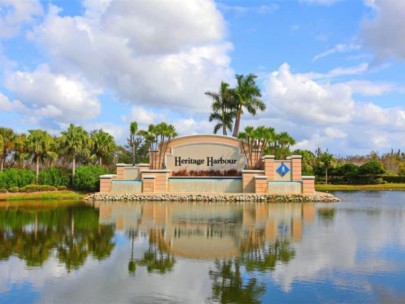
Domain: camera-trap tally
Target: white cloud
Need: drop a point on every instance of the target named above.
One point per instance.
(55, 97)
(148, 52)
(308, 102)
(340, 48)
(383, 33)
(14, 14)
(319, 2)
(325, 114)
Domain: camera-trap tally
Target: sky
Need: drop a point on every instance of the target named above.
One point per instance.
(331, 71)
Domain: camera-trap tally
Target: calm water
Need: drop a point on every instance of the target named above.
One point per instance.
(349, 252)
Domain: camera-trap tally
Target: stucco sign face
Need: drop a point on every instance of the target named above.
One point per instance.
(198, 158)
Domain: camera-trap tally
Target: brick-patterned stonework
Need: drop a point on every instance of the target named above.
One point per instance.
(308, 185)
(269, 168)
(296, 168)
(106, 182)
(148, 184)
(248, 177)
(261, 184)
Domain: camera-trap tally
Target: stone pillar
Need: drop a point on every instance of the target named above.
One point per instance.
(308, 185)
(148, 184)
(269, 169)
(106, 183)
(162, 181)
(296, 168)
(260, 184)
(248, 180)
(121, 171)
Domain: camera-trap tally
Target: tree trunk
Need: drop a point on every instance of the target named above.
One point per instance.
(37, 170)
(133, 153)
(73, 168)
(100, 161)
(2, 164)
(237, 123)
(326, 175)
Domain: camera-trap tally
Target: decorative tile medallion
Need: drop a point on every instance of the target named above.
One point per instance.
(283, 169)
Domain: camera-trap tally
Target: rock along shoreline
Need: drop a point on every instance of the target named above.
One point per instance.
(223, 197)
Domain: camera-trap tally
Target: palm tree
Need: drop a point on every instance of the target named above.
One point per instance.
(223, 108)
(38, 146)
(283, 143)
(133, 130)
(7, 146)
(74, 141)
(327, 161)
(255, 142)
(103, 144)
(19, 150)
(247, 95)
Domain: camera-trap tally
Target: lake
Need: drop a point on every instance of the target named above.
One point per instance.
(348, 252)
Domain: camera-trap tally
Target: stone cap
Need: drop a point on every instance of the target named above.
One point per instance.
(296, 156)
(156, 171)
(123, 165)
(261, 177)
(149, 177)
(268, 157)
(108, 176)
(143, 165)
(308, 177)
(252, 171)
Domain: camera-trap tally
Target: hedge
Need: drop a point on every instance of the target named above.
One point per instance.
(87, 178)
(37, 188)
(394, 178)
(55, 176)
(12, 177)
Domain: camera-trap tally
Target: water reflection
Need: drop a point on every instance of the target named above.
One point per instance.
(202, 231)
(34, 234)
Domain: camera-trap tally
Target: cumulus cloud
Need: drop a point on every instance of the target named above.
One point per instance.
(322, 104)
(383, 33)
(46, 95)
(14, 14)
(148, 52)
(321, 113)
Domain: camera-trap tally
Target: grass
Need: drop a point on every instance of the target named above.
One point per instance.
(51, 195)
(378, 187)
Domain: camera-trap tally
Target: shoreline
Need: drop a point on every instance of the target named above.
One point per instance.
(211, 197)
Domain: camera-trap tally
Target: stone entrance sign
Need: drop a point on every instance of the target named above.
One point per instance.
(203, 157)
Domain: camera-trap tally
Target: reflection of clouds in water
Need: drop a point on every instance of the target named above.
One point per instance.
(352, 243)
(110, 282)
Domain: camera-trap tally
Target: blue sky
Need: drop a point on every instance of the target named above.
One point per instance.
(331, 71)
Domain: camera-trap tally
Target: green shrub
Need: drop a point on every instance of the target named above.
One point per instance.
(14, 189)
(394, 179)
(55, 176)
(16, 178)
(37, 188)
(3, 190)
(87, 178)
(371, 168)
(61, 188)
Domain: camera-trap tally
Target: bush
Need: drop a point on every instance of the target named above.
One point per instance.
(16, 178)
(13, 189)
(371, 168)
(55, 176)
(61, 188)
(37, 188)
(394, 179)
(3, 190)
(87, 178)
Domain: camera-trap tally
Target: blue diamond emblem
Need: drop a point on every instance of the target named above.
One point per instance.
(283, 169)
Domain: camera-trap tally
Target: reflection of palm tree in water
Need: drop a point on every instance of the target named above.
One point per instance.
(132, 264)
(256, 255)
(157, 258)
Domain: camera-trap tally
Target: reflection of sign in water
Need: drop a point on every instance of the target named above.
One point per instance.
(283, 169)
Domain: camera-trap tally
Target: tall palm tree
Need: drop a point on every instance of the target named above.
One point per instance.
(132, 140)
(7, 146)
(223, 108)
(20, 150)
(38, 145)
(103, 144)
(247, 95)
(74, 141)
